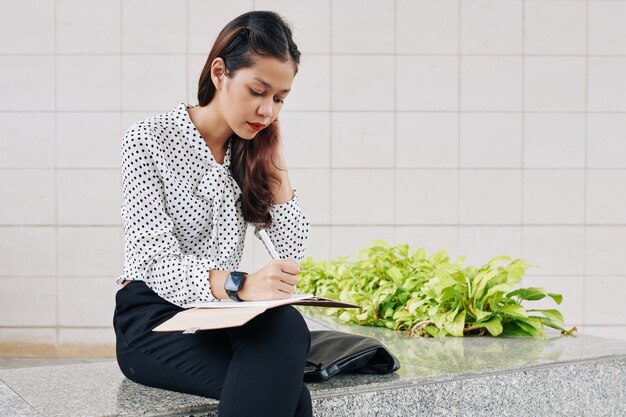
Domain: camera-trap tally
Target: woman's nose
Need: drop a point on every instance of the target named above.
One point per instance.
(266, 108)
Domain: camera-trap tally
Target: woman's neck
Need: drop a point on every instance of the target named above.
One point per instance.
(212, 127)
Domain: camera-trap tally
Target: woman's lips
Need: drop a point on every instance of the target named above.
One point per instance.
(256, 126)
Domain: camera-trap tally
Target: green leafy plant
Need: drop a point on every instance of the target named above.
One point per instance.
(429, 296)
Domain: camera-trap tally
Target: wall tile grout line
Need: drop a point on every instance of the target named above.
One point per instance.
(416, 168)
(458, 133)
(325, 54)
(523, 137)
(330, 127)
(395, 119)
(585, 220)
(186, 92)
(94, 277)
(514, 224)
(342, 111)
(56, 182)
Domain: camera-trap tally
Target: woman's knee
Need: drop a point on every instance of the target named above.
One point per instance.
(287, 319)
(284, 323)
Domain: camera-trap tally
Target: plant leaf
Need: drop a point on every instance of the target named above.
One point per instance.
(513, 310)
(531, 293)
(556, 297)
(493, 326)
(456, 327)
(552, 315)
(503, 288)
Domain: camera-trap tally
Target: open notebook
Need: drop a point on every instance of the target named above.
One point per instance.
(228, 313)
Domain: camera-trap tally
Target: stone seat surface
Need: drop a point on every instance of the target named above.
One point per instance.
(478, 376)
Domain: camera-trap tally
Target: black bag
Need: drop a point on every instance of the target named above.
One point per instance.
(334, 352)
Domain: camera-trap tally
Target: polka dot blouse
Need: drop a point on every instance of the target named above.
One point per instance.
(181, 211)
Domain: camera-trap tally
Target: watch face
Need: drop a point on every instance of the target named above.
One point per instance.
(234, 281)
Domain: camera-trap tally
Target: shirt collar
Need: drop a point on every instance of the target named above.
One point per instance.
(185, 124)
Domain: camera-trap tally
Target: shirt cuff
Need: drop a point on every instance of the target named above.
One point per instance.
(286, 208)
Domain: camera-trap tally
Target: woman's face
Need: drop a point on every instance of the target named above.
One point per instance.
(251, 98)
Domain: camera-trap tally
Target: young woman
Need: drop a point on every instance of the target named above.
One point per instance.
(193, 179)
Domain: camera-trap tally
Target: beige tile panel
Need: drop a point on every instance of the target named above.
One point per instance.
(88, 82)
(312, 186)
(480, 244)
(427, 83)
(349, 240)
(206, 18)
(28, 301)
(306, 139)
(604, 300)
(427, 27)
(27, 27)
(88, 140)
(362, 196)
(553, 140)
(491, 27)
(606, 147)
(604, 250)
(362, 140)
(427, 140)
(490, 196)
(555, 83)
(153, 83)
(77, 342)
(88, 26)
(554, 250)
(28, 342)
(427, 196)
(154, 26)
(27, 251)
(311, 88)
(90, 251)
(609, 332)
(554, 27)
(491, 140)
(310, 22)
(86, 302)
(371, 90)
(352, 21)
(491, 83)
(27, 196)
(554, 196)
(606, 86)
(27, 140)
(89, 197)
(606, 27)
(27, 83)
(431, 238)
(605, 197)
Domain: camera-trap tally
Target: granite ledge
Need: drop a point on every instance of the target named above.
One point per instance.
(596, 387)
(430, 369)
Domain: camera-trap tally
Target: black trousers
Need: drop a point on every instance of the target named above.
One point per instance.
(254, 370)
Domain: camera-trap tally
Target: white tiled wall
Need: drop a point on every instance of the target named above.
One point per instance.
(485, 127)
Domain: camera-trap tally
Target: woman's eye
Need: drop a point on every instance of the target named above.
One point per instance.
(255, 93)
(279, 100)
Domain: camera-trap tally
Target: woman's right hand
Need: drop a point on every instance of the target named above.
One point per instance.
(275, 281)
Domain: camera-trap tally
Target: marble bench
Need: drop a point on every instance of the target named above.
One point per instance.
(474, 376)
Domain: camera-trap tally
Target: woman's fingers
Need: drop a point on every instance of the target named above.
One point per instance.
(286, 288)
(287, 265)
(289, 279)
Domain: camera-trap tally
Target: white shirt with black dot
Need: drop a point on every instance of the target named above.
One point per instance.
(181, 211)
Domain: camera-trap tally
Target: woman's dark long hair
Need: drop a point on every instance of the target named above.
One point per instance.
(253, 34)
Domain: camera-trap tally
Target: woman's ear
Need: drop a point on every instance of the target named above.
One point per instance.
(218, 72)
